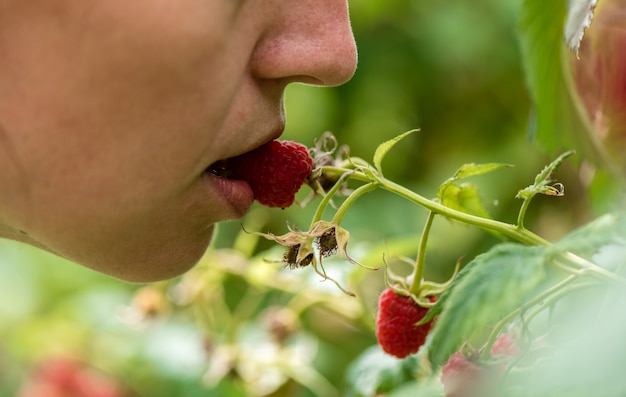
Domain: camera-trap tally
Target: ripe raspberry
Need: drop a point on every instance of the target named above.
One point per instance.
(505, 345)
(463, 378)
(395, 326)
(274, 171)
(61, 377)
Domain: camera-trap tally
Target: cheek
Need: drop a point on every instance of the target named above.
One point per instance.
(127, 95)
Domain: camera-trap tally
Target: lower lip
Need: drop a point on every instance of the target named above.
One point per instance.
(237, 194)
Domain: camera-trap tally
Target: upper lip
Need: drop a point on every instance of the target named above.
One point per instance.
(221, 163)
(275, 134)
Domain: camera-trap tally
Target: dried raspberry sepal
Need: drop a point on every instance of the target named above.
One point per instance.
(328, 237)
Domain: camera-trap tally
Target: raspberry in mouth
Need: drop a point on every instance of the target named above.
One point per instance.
(275, 171)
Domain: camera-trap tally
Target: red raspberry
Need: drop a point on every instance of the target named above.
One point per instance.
(61, 377)
(463, 378)
(59, 372)
(505, 345)
(395, 326)
(274, 171)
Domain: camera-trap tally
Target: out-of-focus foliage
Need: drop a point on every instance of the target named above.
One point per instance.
(451, 68)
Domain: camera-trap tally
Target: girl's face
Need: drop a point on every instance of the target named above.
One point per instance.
(112, 110)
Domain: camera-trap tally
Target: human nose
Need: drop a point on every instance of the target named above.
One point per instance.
(308, 41)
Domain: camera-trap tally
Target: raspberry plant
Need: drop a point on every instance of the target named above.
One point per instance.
(526, 317)
(507, 288)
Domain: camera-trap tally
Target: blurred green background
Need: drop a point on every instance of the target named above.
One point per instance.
(450, 68)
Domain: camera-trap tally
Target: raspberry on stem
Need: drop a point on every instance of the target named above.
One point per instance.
(505, 345)
(470, 376)
(463, 378)
(396, 328)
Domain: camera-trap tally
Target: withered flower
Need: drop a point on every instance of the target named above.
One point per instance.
(328, 237)
(327, 153)
(299, 251)
(290, 257)
(297, 256)
(327, 243)
(331, 239)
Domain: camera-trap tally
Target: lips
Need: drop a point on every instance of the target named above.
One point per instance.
(224, 168)
(235, 191)
(222, 179)
(236, 194)
(219, 169)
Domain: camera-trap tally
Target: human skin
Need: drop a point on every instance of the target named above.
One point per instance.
(112, 110)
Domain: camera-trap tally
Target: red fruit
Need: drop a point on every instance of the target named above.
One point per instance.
(59, 372)
(463, 378)
(94, 384)
(395, 326)
(61, 377)
(505, 345)
(274, 171)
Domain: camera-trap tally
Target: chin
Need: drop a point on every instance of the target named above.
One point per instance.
(155, 269)
(137, 255)
(166, 262)
(144, 261)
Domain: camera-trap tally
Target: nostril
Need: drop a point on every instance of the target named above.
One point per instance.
(313, 44)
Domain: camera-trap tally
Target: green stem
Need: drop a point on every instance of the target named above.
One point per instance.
(573, 263)
(361, 190)
(354, 174)
(520, 234)
(418, 272)
(319, 212)
(546, 297)
(513, 231)
(522, 213)
(516, 232)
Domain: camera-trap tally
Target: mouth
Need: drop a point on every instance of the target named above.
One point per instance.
(234, 191)
(225, 168)
(219, 169)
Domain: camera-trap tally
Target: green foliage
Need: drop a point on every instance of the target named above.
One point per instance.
(376, 372)
(560, 121)
(464, 196)
(607, 232)
(383, 148)
(494, 284)
(543, 180)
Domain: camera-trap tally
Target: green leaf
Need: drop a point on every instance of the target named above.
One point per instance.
(430, 387)
(464, 198)
(543, 180)
(384, 147)
(560, 120)
(606, 231)
(376, 372)
(441, 302)
(495, 285)
(471, 169)
(466, 171)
